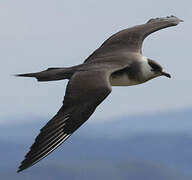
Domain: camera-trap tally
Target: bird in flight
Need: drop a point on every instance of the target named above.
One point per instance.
(117, 62)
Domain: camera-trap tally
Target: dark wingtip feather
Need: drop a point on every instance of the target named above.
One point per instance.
(20, 169)
(23, 166)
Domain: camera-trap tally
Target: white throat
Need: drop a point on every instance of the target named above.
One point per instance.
(146, 68)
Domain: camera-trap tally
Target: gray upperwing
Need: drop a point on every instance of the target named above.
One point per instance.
(131, 39)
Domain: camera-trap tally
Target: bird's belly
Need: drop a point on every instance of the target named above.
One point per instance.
(122, 80)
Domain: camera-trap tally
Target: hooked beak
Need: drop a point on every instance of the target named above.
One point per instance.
(166, 74)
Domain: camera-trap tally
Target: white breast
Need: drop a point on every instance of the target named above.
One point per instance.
(124, 80)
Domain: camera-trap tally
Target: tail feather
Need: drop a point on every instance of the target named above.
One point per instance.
(26, 75)
(51, 74)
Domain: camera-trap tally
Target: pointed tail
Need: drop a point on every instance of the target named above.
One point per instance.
(51, 74)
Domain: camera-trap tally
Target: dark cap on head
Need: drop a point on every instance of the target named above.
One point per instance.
(158, 68)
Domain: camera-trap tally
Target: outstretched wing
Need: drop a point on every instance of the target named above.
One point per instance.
(85, 91)
(131, 39)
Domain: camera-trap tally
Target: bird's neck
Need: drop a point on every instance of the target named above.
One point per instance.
(146, 73)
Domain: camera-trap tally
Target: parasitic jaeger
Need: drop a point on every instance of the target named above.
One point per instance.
(117, 62)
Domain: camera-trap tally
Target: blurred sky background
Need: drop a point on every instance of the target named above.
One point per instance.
(38, 34)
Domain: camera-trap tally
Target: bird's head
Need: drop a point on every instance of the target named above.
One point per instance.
(157, 69)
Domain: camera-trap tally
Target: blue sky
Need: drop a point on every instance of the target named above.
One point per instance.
(35, 35)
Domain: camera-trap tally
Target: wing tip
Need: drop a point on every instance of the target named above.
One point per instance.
(171, 18)
(26, 163)
(21, 168)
